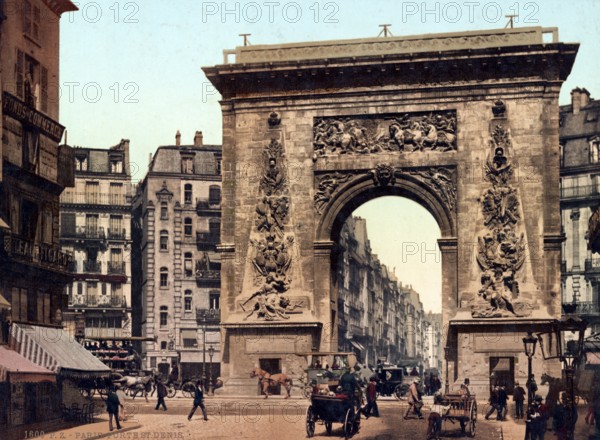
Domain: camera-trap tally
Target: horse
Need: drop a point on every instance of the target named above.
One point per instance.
(137, 385)
(267, 379)
(555, 386)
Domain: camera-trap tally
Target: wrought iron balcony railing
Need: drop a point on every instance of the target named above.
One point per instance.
(116, 267)
(117, 234)
(208, 275)
(207, 238)
(579, 191)
(104, 301)
(92, 266)
(84, 232)
(95, 198)
(592, 264)
(588, 308)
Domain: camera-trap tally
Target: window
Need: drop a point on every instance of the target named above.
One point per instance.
(163, 345)
(31, 20)
(81, 163)
(79, 288)
(187, 264)
(92, 192)
(115, 193)
(214, 302)
(19, 304)
(187, 301)
(32, 81)
(47, 224)
(67, 224)
(164, 277)
(214, 227)
(219, 166)
(594, 150)
(91, 225)
(187, 165)
(164, 211)
(116, 166)
(115, 226)
(164, 316)
(187, 227)
(214, 195)
(164, 240)
(187, 193)
(29, 216)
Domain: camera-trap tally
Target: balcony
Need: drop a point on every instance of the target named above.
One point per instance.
(93, 198)
(208, 275)
(84, 233)
(588, 308)
(90, 266)
(96, 332)
(208, 207)
(100, 301)
(592, 265)
(580, 191)
(116, 234)
(38, 254)
(116, 267)
(207, 239)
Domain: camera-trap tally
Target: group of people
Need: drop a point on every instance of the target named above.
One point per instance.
(113, 403)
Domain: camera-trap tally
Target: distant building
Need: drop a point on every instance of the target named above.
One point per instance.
(379, 318)
(96, 228)
(579, 199)
(39, 364)
(176, 281)
(434, 341)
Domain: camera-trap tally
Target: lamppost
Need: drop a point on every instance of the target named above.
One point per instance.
(447, 352)
(529, 342)
(211, 352)
(556, 345)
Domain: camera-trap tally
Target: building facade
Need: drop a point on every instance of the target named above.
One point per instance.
(580, 197)
(95, 227)
(176, 283)
(380, 319)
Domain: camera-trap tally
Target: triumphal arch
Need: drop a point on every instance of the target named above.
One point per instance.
(465, 124)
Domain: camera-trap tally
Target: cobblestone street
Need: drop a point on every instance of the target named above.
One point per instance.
(258, 419)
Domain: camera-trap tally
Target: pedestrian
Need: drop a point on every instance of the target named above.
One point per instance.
(414, 400)
(560, 419)
(371, 399)
(536, 419)
(161, 392)
(112, 407)
(349, 385)
(198, 401)
(434, 421)
(518, 398)
(502, 403)
(493, 401)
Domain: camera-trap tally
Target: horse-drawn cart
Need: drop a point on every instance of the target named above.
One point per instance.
(330, 410)
(461, 408)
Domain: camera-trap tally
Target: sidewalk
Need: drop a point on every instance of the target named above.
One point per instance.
(91, 431)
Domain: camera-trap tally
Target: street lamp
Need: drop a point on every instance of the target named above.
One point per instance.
(211, 352)
(555, 345)
(529, 342)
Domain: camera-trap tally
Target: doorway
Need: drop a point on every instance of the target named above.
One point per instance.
(502, 372)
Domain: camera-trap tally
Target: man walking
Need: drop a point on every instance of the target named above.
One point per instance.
(161, 391)
(371, 399)
(518, 398)
(112, 407)
(493, 401)
(198, 401)
(502, 403)
(414, 400)
(536, 419)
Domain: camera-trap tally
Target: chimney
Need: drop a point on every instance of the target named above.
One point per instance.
(198, 139)
(579, 99)
(178, 138)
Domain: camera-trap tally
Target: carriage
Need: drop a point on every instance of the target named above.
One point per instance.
(390, 382)
(461, 408)
(333, 409)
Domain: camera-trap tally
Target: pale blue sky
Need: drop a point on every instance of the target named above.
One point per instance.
(132, 69)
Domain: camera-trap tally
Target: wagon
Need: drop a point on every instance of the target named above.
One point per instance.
(330, 410)
(390, 382)
(463, 409)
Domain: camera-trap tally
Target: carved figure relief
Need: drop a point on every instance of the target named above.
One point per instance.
(272, 244)
(501, 251)
(434, 131)
(442, 180)
(383, 175)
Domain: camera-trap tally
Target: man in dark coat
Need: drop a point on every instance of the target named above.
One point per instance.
(493, 401)
(371, 399)
(518, 397)
(161, 391)
(198, 401)
(537, 415)
(112, 407)
(502, 403)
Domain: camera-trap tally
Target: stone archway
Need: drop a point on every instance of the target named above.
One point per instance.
(464, 124)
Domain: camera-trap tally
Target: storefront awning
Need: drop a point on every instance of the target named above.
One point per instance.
(357, 345)
(593, 358)
(502, 365)
(4, 304)
(15, 368)
(198, 356)
(54, 349)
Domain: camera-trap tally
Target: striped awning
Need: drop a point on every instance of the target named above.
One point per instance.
(15, 368)
(56, 350)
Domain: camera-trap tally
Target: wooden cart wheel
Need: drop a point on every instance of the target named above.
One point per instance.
(398, 391)
(188, 389)
(329, 427)
(310, 422)
(472, 420)
(349, 423)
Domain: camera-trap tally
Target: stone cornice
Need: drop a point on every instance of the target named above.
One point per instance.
(551, 62)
